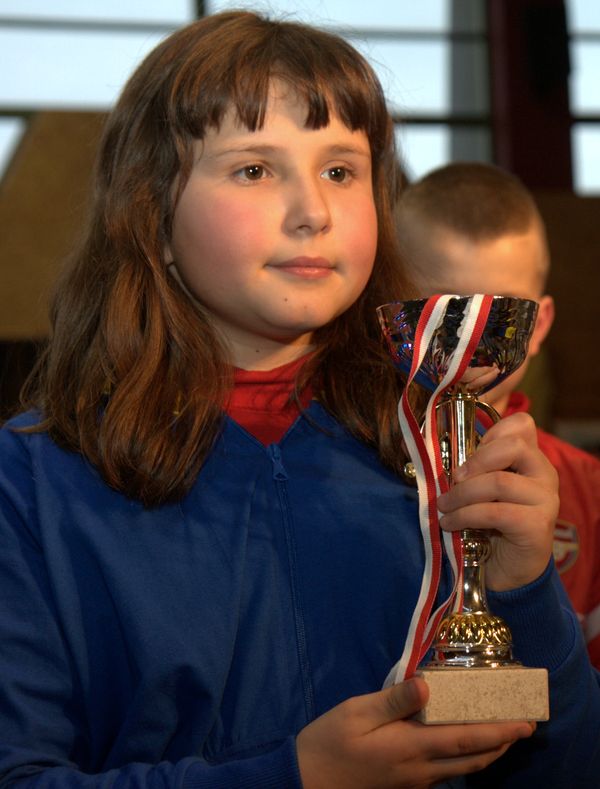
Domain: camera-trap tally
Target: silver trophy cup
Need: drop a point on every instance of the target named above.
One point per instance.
(472, 638)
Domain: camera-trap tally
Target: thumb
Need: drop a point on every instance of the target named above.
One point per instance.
(402, 700)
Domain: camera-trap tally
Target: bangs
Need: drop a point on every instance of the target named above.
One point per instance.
(324, 71)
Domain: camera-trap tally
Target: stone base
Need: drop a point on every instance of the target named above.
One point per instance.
(471, 695)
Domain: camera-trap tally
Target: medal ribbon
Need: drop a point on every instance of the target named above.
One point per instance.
(424, 451)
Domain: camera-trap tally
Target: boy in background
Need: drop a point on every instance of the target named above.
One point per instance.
(473, 228)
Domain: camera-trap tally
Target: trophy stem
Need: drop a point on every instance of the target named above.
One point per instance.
(462, 410)
(471, 637)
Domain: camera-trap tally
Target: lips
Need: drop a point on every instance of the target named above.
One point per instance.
(304, 266)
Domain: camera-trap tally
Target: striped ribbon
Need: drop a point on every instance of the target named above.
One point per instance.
(424, 451)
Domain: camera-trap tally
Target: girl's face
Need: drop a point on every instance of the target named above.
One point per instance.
(275, 231)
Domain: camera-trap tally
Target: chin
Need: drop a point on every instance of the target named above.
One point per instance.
(305, 324)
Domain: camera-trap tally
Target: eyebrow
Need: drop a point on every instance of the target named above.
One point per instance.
(267, 150)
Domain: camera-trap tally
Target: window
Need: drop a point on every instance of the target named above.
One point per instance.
(431, 57)
(583, 18)
(73, 54)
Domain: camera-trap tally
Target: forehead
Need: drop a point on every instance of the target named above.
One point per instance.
(511, 265)
(283, 99)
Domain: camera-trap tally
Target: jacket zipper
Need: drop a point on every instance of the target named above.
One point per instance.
(280, 476)
(279, 472)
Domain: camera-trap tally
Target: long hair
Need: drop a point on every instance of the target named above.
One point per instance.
(134, 376)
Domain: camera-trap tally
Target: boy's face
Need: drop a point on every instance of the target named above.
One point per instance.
(275, 232)
(510, 265)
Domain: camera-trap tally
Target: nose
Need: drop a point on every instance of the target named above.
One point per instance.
(308, 210)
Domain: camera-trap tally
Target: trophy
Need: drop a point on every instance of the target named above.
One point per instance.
(473, 676)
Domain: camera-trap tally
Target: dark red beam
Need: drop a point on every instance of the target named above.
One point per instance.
(529, 71)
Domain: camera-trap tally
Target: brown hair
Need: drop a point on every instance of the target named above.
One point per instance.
(134, 376)
(480, 201)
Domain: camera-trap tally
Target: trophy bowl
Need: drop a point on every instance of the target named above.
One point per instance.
(503, 344)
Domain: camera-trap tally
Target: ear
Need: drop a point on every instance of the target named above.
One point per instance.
(543, 324)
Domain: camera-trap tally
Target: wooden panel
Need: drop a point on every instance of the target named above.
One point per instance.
(42, 200)
(573, 225)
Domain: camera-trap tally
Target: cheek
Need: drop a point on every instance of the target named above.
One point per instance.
(214, 234)
(361, 233)
(244, 218)
(237, 230)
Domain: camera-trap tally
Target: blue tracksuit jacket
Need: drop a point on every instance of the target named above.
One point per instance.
(185, 646)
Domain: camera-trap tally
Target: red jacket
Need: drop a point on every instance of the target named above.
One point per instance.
(577, 532)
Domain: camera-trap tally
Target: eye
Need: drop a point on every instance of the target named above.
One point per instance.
(337, 174)
(252, 172)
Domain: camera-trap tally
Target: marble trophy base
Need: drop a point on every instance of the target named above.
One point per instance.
(476, 695)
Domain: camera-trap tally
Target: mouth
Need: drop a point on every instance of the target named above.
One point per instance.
(305, 267)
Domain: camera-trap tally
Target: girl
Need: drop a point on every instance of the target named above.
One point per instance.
(209, 560)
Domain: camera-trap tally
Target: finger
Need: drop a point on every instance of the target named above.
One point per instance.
(530, 526)
(506, 453)
(469, 748)
(463, 765)
(499, 486)
(403, 700)
(515, 505)
(519, 425)
(505, 519)
(511, 443)
(397, 702)
(471, 762)
(462, 741)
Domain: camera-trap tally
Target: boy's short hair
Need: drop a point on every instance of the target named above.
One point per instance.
(480, 201)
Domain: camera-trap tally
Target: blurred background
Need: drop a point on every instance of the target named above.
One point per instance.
(514, 82)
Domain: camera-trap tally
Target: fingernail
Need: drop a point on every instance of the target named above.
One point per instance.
(412, 691)
(525, 731)
(459, 473)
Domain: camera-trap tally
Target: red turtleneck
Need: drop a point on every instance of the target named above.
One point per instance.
(260, 401)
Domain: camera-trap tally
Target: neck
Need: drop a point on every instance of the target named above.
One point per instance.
(268, 355)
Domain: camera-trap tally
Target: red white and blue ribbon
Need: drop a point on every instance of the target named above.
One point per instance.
(424, 451)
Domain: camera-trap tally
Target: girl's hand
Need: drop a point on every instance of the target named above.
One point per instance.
(520, 509)
(368, 742)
